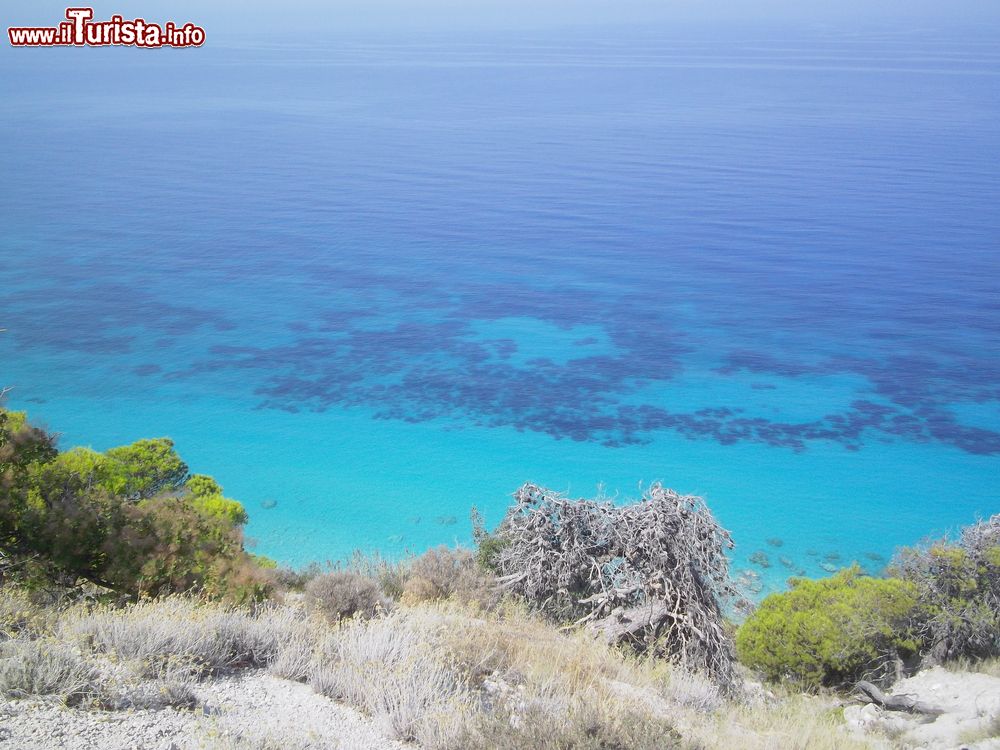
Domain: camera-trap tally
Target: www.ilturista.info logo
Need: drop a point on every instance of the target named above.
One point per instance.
(80, 30)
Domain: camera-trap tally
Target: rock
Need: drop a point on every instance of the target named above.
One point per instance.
(970, 705)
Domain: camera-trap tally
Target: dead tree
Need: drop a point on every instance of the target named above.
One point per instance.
(871, 694)
(651, 574)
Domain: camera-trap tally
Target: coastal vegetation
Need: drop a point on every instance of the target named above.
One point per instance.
(572, 624)
(834, 631)
(130, 520)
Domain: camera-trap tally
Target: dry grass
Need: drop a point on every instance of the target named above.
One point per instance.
(445, 573)
(449, 680)
(554, 717)
(689, 690)
(162, 634)
(990, 730)
(19, 612)
(515, 644)
(344, 594)
(295, 657)
(44, 667)
(390, 669)
(791, 723)
(244, 740)
(442, 674)
(990, 667)
(125, 687)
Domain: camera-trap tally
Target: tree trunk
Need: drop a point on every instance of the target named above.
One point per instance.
(895, 702)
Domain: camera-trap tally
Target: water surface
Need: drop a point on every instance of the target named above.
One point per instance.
(369, 283)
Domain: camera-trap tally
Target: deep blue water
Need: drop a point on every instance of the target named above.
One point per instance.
(377, 281)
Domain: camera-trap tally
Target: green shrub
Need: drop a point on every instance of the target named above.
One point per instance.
(833, 630)
(207, 497)
(123, 519)
(21, 446)
(488, 545)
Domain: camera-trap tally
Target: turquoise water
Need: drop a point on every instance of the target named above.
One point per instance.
(370, 283)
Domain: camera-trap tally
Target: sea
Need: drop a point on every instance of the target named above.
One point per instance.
(370, 281)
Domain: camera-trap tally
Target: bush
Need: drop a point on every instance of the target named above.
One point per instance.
(391, 575)
(174, 689)
(834, 630)
(960, 582)
(123, 519)
(163, 635)
(488, 546)
(389, 669)
(293, 660)
(344, 594)
(444, 573)
(33, 668)
(21, 613)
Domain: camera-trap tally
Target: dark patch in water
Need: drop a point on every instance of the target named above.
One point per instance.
(419, 371)
(435, 365)
(98, 318)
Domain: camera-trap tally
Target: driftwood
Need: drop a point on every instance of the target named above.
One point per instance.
(650, 574)
(904, 702)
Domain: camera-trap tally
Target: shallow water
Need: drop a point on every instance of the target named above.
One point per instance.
(370, 284)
